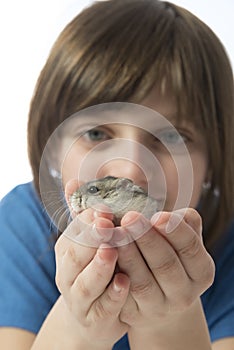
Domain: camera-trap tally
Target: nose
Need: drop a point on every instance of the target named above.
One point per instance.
(125, 168)
(130, 159)
(122, 158)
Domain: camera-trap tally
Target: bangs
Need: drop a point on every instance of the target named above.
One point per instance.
(127, 49)
(186, 69)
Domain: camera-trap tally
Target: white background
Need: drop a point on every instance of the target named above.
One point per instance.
(28, 29)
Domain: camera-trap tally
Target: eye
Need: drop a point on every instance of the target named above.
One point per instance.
(95, 135)
(93, 189)
(171, 137)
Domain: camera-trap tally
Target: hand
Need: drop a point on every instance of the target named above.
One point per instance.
(84, 276)
(168, 266)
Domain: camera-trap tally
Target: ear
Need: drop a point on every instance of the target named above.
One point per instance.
(123, 183)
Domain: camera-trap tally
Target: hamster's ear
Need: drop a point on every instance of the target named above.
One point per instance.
(70, 187)
(123, 183)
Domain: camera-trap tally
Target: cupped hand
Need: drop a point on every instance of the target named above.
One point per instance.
(168, 266)
(94, 295)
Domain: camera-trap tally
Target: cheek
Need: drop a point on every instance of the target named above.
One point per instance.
(200, 174)
(70, 164)
(184, 181)
(172, 184)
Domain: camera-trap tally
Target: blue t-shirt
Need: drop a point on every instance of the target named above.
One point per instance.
(27, 269)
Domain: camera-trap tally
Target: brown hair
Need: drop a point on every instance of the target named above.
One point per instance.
(118, 51)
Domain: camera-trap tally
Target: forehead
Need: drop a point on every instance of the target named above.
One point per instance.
(162, 103)
(152, 114)
(175, 106)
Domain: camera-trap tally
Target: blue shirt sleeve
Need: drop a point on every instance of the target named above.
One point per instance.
(27, 262)
(218, 300)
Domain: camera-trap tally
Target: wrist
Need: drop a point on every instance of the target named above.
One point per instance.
(185, 330)
(79, 338)
(61, 331)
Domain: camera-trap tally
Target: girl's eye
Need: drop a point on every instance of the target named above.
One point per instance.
(172, 138)
(95, 135)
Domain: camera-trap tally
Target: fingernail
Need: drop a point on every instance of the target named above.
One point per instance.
(102, 234)
(117, 288)
(173, 222)
(138, 225)
(95, 233)
(99, 257)
(155, 218)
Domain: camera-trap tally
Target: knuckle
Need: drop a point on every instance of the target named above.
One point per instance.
(58, 246)
(146, 240)
(191, 249)
(61, 245)
(59, 282)
(100, 311)
(192, 212)
(143, 289)
(73, 259)
(128, 316)
(208, 273)
(127, 260)
(186, 301)
(81, 289)
(193, 217)
(168, 265)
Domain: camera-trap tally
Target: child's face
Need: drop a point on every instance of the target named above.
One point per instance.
(172, 169)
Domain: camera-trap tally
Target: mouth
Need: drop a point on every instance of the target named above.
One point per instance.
(76, 203)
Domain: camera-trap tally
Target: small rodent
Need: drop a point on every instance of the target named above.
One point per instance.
(119, 194)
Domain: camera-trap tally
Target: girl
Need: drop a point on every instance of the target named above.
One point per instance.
(159, 290)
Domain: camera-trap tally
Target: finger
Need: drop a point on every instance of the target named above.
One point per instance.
(69, 266)
(189, 215)
(113, 299)
(93, 280)
(82, 274)
(101, 210)
(131, 228)
(143, 285)
(89, 229)
(84, 220)
(184, 239)
(130, 311)
(161, 260)
(72, 258)
(192, 218)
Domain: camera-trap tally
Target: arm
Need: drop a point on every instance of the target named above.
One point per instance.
(60, 331)
(187, 331)
(14, 338)
(169, 269)
(223, 344)
(86, 316)
(57, 333)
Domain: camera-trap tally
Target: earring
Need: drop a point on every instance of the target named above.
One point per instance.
(55, 174)
(206, 186)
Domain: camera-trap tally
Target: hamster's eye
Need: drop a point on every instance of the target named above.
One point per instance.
(93, 189)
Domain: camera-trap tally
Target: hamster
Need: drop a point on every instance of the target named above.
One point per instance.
(119, 194)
